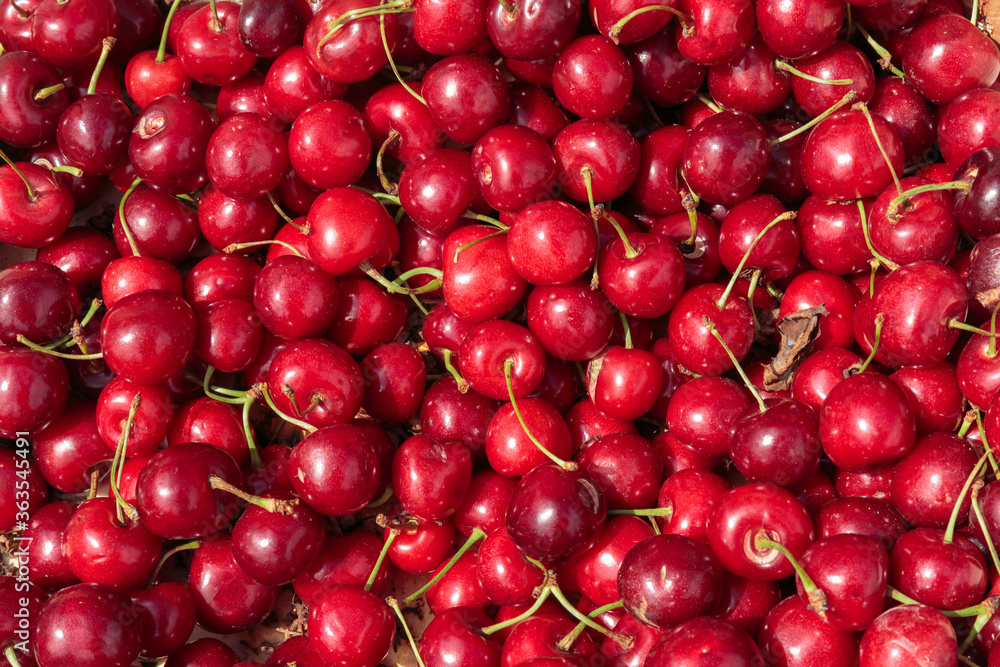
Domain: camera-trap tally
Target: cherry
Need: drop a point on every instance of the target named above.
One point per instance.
(169, 143)
(295, 652)
(328, 146)
(866, 419)
(532, 29)
(551, 243)
(100, 549)
(928, 212)
(692, 403)
(515, 168)
(292, 85)
(458, 586)
(485, 503)
(272, 548)
(436, 188)
(794, 634)
(392, 107)
(350, 626)
(926, 482)
(209, 47)
(335, 470)
(324, 384)
(69, 34)
(668, 595)
(944, 299)
(49, 566)
(620, 366)
(571, 321)
(419, 547)
(451, 638)
(209, 421)
(870, 517)
(66, 449)
(350, 51)
(225, 599)
(945, 574)
(778, 443)
(509, 448)
(150, 420)
(87, 625)
(348, 559)
(555, 513)
(939, 78)
(797, 29)
(218, 277)
(83, 254)
(466, 96)
(839, 62)
(246, 158)
(267, 30)
(367, 316)
(726, 157)
(694, 345)
(205, 651)
(845, 141)
(293, 298)
(15, 26)
(778, 247)
(33, 99)
(715, 34)
(907, 633)
(592, 78)
(832, 236)
(981, 169)
(744, 516)
(167, 616)
(906, 110)
(750, 82)
(38, 301)
(162, 227)
(447, 28)
(658, 186)
(35, 207)
(688, 643)
(394, 375)
(33, 390)
(596, 159)
(497, 350)
(430, 478)
(626, 468)
(175, 497)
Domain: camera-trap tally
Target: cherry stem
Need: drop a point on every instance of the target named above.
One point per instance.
(693, 219)
(391, 601)
(587, 174)
(52, 353)
(986, 444)
(284, 216)
(463, 384)
(967, 421)
(94, 477)
(902, 202)
(508, 367)
(67, 169)
(11, 657)
(624, 641)
(863, 108)
(45, 93)
(975, 610)
(954, 323)
(107, 44)
(787, 215)
(666, 512)
(566, 643)
(883, 260)
(21, 13)
(949, 533)
(233, 397)
(977, 627)
(392, 63)
(233, 247)
(879, 321)
(977, 510)
(387, 185)
(485, 218)
(121, 216)
(628, 331)
(494, 235)
(266, 394)
(712, 329)
(817, 598)
(32, 194)
(630, 251)
(884, 57)
(161, 54)
(114, 477)
(383, 499)
(616, 30)
(393, 533)
(476, 536)
(526, 614)
(785, 67)
(991, 350)
(255, 461)
(360, 13)
(393, 287)
(419, 271)
(187, 546)
(214, 24)
(710, 103)
(975, 13)
(848, 98)
(274, 505)
(69, 338)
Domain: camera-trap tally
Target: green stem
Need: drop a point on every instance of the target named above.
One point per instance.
(884, 57)
(628, 330)
(391, 601)
(187, 546)
(630, 251)
(255, 461)
(616, 30)
(879, 321)
(507, 370)
(884, 261)
(214, 24)
(526, 614)
(463, 384)
(967, 612)
(566, 643)
(393, 533)
(107, 44)
(67, 169)
(975, 13)
(977, 510)
(991, 350)
(624, 641)
(437, 274)
(477, 535)
(392, 63)
(484, 218)
(955, 323)
(52, 353)
(977, 627)
(817, 598)
(394, 136)
(161, 54)
(712, 329)
(284, 216)
(359, 13)
(32, 193)
(986, 444)
(95, 305)
(121, 217)
(45, 93)
(114, 477)
(711, 104)
(11, 656)
(233, 247)
(273, 505)
(215, 392)
(656, 511)
(949, 532)
(494, 235)
(903, 200)
(262, 386)
(851, 96)
(787, 215)
(863, 108)
(785, 67)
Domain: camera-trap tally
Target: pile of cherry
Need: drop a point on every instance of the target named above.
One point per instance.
(645, 332)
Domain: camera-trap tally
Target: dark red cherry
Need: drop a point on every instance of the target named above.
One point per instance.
(715, 33)
(750, 82)
(47, 527)
(316, 380)
(209, 46)
(551, 243)
(225, 599)
(163, 227)
(206, 650)
(446, 27)
(702, 411)
(93, 133)
(66, 449)
(945, 575)
(466, 96)
(346, 559)
(87, 625)
(148, 336)
(509, 449)
(37, 301)
(832, 238)
(448, 414)
(166, 614)
(451, 639)
(532, 29)
(246, 158)
(906, 634)
(515, 167)
(797, 29)
(571, 321)
(939, 77)
(796, 635)
(437, 187)
(840, 61)
(169, 143)
(335, 470)
(273, 548)
(329, 146)
(267, 29)
(480, 283)
(689, 643)
(694, 345)
(354, 52)
(350, 626)
(33, 390)
(35, 218)
(727, 157)
(626, 469)
(555, 513)
(592, 78)
(367, 316)
(852, 571)
(779, 444)
(69, 34)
